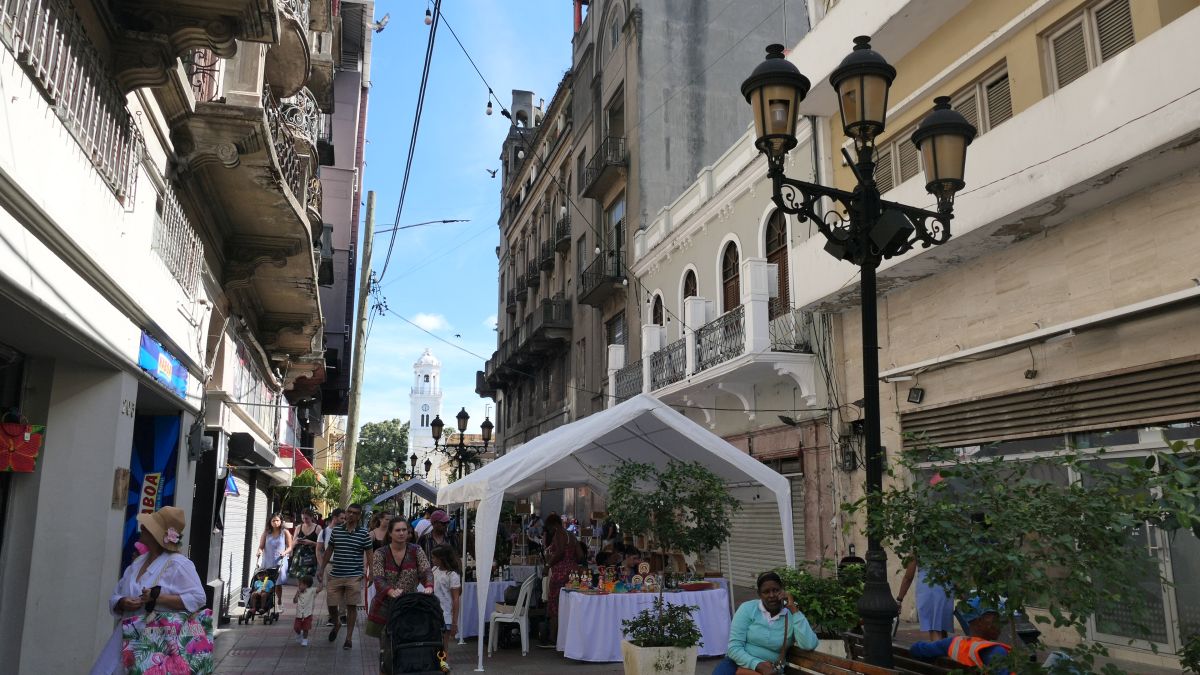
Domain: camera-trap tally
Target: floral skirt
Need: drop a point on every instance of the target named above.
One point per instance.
(168, 643)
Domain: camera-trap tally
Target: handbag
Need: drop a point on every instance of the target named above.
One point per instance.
(780, 663)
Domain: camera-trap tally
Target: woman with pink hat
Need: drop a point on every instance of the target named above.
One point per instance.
(161, 582)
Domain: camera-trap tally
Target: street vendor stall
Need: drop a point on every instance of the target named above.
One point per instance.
(582, 453)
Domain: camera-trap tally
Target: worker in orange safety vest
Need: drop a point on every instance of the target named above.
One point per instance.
(976, 650)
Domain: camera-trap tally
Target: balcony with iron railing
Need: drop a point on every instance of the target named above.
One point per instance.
(602, 279)
(510, 301)
(533, 276)
(550, 325)
(49, 42)
(289, 61)
(606, 167)
(546, 257)
(521, 286)
(629, 381)
(759, 342)
(562, 234)
(177, 244)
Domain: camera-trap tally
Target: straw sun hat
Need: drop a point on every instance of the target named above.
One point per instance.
(166, 526)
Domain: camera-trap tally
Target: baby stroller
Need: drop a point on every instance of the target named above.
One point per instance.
(414, 632)
(268, 611)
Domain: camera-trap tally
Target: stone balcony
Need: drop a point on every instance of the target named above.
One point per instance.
(756, 344)
(606, 167)
(202, 24)
(248, 160)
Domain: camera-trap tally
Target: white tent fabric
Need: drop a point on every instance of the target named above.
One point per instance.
(642, 429)
(415, 485)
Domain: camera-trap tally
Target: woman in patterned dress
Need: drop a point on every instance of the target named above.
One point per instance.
(562, 550)
(395, 569)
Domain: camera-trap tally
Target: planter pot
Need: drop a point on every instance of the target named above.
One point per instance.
(832, 647)
(658, 660)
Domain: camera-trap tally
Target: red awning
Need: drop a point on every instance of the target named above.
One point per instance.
(302, 463)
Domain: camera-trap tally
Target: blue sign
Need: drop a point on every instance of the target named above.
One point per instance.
(151, 472)
(167, 369)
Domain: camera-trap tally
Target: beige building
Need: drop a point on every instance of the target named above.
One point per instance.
(1063, 309)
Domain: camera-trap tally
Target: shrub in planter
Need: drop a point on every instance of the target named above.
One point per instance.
(828, 597)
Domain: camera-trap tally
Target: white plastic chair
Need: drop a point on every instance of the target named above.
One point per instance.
(519, 616)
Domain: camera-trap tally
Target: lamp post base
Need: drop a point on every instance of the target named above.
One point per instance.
(878, 610)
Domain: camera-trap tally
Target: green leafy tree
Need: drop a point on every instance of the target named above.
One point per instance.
(1018, 533)
(684, 508)
(306, 488)
(382, 446)
(332, 490)
(829, 597)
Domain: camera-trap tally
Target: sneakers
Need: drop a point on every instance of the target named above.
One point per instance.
(303, 642)
(329, 622)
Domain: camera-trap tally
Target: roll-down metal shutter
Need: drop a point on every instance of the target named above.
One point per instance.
(258, 523)
(233, 544)
(756, 544)
(1146, 395)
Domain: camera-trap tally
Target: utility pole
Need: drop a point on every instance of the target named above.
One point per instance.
(360, 355)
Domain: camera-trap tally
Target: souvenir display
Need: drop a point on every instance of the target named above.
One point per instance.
(636, 582)
(643, 568)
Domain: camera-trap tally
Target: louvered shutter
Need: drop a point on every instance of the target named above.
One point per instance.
(968, 107)
(1070, 55)
(1153, 394)
(756, 543)
(908, 156)
(233, 542)
(883, 170)
(1114, 29)
(999, 101)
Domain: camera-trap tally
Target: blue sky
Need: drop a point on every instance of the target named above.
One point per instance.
(444, 276)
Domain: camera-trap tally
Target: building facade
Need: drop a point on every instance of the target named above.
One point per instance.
(165, 335)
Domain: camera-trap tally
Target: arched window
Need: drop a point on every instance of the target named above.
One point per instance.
(689, 285)
(656, 312)
(614, 32)
(777, 253)
(731, 295)
(426, 378)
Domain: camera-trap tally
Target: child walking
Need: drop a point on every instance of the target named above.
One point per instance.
(306, 597)
(447, 588)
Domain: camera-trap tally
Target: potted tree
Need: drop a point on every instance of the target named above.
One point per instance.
(829, 598)
(683, 508)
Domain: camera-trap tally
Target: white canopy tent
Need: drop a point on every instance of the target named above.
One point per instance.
(416, 486)
(642, 429)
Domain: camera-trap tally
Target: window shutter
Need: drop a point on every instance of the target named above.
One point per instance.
(883, 170)
(908, 156)
(968, 107)
(1070, 55)
(999, 101)
(1114, 28)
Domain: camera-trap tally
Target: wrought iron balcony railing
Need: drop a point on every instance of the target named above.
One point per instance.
(546, 257)
(298, 9)
(629, 381)
(522, 286)
(721, 339)
(668, 365)
(204, 71)
(285, 150)
(533, 277)
(605, 272)
(510, 302)
(562, 234)
(303, 116)
(176, 242)
(790, 330)
(609, 156)
(48, 40)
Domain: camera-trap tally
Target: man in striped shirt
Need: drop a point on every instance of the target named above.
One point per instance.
(349, 547)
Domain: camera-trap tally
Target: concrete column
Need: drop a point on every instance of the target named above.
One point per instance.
(77, 534)
(654, 338)
(695, 314)
(756, 297)
(616, 361)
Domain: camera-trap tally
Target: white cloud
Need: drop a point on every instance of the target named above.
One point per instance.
(431, 322)
(490, 322)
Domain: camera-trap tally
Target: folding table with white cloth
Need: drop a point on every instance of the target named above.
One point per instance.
(582, 453)
(589, 626)
(468, 616)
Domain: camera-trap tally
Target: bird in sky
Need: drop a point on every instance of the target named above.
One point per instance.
(492, 171)
(458, 335)
(382, 23)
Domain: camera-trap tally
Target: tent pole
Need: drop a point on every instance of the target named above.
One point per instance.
(464, 576)
(729, 566)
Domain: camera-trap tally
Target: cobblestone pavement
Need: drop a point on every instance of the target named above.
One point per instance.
(256, 649)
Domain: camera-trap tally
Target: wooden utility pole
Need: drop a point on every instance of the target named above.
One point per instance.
(360, 355)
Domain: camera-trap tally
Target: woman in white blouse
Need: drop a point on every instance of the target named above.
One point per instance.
(161, 566)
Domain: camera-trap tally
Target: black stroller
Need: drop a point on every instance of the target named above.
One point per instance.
(414, 636)
(268, 611)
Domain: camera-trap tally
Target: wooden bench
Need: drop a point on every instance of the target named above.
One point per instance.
(904, 661)
(799, 661)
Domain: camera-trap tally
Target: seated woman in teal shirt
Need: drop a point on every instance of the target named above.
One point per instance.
(757, 632)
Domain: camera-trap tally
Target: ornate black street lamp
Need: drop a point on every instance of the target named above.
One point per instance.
(462, 454)
(861, 229)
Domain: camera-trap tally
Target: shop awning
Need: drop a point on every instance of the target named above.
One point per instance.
(286, 452)
(416, 486)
